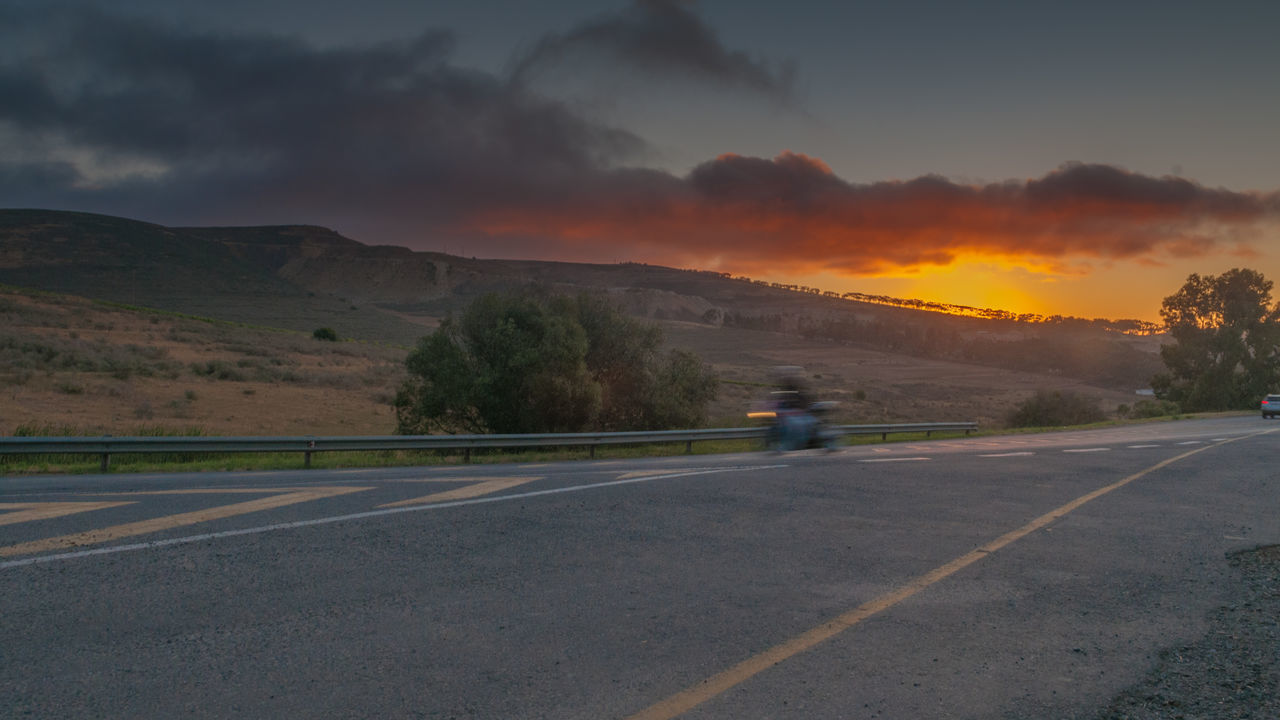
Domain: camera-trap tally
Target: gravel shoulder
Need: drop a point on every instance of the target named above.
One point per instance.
(1233, 671)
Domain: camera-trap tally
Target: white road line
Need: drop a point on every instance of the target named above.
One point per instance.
(1085, 450)
(1023, 453)
(1141, 447)
(362, 515)
(901, 459)
(1192, 442)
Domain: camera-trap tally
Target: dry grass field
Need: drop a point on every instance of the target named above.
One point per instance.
(871, 386)
(72, 365)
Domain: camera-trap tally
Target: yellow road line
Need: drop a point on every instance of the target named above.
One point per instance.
(473, 479)
(489, 485)
(27, 512)
(142, 527)
(686, 700)
(652, 473)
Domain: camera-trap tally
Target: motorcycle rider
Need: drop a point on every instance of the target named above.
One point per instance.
(795, 426)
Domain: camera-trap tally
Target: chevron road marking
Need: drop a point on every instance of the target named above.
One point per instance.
(653, 473)
(27, 512)
(281, 498)
(314, 522)
(484, 487)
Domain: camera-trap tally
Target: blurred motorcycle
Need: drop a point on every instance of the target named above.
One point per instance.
(795, 423)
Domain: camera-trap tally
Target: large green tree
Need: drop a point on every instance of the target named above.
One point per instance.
(1226, 342)
(531, 362)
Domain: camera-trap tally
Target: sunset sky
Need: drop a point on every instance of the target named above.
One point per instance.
(1073, 158)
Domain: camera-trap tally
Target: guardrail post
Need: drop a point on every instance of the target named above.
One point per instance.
(593, 451)
(466, 455)
(688, 447)
(106, 457)
(306, 461)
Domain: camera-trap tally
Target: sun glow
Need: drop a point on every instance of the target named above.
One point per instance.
(981, 284)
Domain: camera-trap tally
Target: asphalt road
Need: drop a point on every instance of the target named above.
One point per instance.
(1029, 576)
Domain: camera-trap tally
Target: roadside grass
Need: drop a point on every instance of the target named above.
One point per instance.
(216, 462)
(1116, 422)
(221, 462)
(74, 464)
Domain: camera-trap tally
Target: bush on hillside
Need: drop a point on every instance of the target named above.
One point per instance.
(1055, 409)
(1149, 409)
(531, 362)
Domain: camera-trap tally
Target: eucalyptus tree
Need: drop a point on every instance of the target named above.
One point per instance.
(1225, 352)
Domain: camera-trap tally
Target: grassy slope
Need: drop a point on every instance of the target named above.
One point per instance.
(70, 362)
(101, 368)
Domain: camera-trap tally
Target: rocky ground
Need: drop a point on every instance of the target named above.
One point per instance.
(1231, 672)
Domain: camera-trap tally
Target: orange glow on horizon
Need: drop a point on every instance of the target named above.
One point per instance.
(1013, 246)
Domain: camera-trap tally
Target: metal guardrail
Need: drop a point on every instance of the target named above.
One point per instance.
(106, 446)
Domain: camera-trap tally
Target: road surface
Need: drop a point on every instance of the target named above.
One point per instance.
(997, 577)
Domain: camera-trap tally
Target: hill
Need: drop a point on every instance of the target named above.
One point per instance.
(303, 277)
(96, 367)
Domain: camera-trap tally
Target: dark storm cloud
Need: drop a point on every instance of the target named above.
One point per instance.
(252, 126)
(395, 144)
(793, 214)
(663, 38)
(1107, 185)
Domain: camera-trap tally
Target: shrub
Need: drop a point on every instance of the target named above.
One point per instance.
(1056, 408)
(217, 369)
(325, 333)
(532, 362)
(1154, 408)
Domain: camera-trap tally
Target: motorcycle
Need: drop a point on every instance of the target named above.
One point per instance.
(795, 424)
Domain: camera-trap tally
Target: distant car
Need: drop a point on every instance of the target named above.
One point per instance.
(1270, 406)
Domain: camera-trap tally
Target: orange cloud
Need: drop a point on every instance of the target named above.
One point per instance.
(792, 214)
